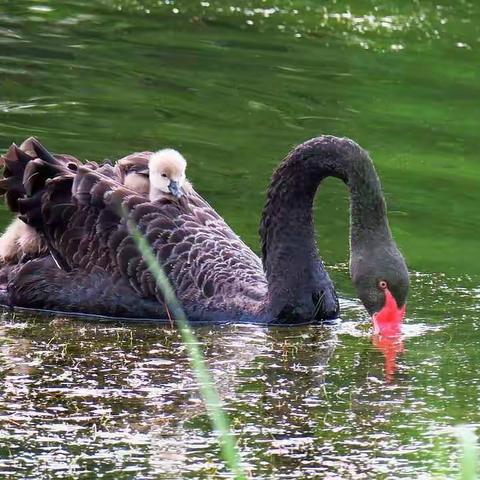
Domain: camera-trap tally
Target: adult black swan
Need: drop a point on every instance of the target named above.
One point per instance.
(215, 275)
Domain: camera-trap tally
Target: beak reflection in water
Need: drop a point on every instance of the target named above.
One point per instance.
(391, 347)
(387, 338)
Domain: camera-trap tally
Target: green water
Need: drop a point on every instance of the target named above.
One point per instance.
(234, 86)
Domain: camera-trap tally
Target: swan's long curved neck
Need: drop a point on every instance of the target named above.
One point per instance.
(368, 212)
(289, 252)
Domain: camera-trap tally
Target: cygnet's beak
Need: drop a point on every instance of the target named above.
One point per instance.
(175, 189)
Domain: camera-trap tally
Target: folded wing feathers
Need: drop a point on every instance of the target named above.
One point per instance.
(80, 210)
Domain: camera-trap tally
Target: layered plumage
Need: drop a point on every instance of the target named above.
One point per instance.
(21, 242)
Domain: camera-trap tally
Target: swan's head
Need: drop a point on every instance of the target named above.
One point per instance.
(167, 173)
(380, 277)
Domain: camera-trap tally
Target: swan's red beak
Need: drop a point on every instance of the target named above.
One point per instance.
(388, 321)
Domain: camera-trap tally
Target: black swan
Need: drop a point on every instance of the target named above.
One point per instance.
(216, 276)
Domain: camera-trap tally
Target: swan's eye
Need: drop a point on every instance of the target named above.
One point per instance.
(164, 175)
(382, 284)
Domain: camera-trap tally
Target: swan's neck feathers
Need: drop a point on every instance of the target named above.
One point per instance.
(295, 273)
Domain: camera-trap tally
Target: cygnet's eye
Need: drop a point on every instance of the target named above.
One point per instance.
(164, 175)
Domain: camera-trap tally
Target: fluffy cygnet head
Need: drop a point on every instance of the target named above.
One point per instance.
(167, 173)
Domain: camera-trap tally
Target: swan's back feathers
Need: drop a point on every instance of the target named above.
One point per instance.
(26, 168)
(133, 162)
(80, 212)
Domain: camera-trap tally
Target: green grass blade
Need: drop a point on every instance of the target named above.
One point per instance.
(208, 391)
(468, 442)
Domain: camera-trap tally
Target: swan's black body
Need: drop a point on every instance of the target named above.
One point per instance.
(215, 275)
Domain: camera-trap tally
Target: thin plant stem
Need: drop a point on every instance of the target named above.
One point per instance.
(468, 443)
(211, 398)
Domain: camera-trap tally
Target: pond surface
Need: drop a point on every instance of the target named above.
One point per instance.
(234, 87)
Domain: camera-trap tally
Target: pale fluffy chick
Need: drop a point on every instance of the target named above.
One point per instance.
(138, 182)
(19, 240)
(167, 174)
(133, 171)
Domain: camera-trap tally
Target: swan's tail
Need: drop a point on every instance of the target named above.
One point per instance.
(14, 163)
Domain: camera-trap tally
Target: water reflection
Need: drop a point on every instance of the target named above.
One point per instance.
(121, 397)
(104, 390)
(391, 347)
(78, 397)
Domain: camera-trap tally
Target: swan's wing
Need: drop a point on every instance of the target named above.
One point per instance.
(199, 252)
(80, 214)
